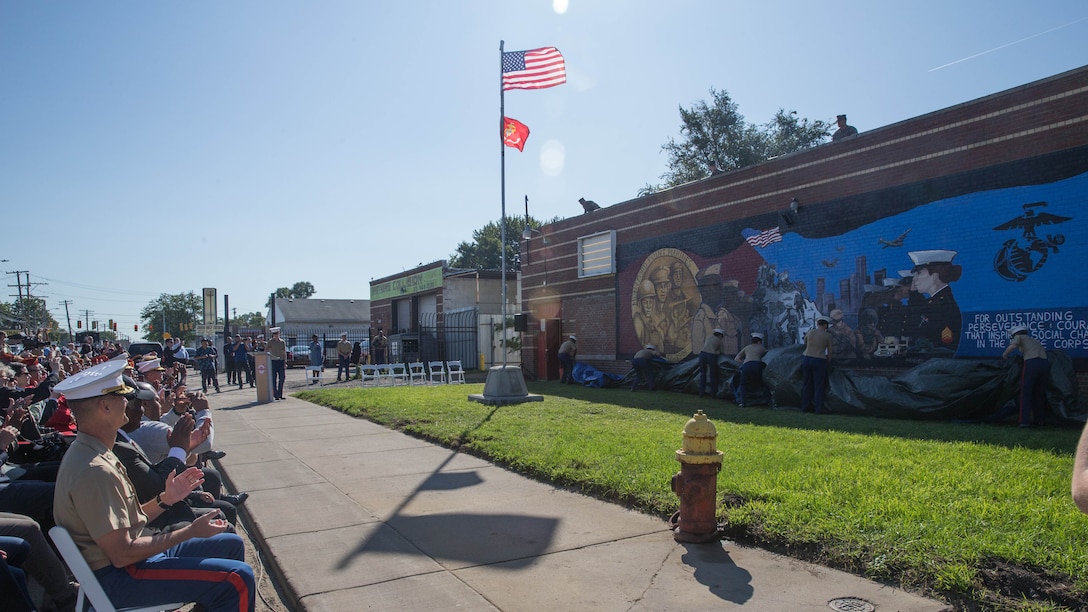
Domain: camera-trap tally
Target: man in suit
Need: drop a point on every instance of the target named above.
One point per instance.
(150, 479)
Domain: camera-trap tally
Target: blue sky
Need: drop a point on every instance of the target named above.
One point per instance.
(162, 147)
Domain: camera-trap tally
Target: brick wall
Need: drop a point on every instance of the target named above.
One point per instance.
(1003, 140)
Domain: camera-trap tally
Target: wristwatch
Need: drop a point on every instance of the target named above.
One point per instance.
(162, 504)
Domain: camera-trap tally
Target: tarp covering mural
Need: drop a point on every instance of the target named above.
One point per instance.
(936, 389)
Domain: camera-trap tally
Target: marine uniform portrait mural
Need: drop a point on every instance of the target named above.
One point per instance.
(663, 301)
(920, 281)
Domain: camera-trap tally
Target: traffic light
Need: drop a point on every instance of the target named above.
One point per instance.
(79, 324)
(136, 328)
(94, 324)
(111, 324)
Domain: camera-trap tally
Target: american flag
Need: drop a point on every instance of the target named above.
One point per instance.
(765, 238)
(533, 69)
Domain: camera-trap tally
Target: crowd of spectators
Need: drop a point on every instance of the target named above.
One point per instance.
(167, 431)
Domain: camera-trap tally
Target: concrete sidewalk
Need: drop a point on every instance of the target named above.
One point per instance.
(355, 516)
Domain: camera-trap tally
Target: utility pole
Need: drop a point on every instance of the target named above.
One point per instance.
(44, 318)
(87, 319)
(19, 305)
(68, 316)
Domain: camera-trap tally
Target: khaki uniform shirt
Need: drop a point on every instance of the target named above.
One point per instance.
(1029, 347)
(94, 496)
(568, 347)
(752, 352)
(277, 349)
(713, 344)
(343, 348)
(818, 343)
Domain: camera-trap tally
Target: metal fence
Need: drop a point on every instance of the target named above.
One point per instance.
(455, 337)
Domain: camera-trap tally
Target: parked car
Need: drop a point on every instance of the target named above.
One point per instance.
(139, 349)
(191, 361)
(298, 356)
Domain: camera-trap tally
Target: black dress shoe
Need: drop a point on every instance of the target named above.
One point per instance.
(214, 455)
(235, 500)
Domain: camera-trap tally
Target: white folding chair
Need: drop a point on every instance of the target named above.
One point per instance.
(456, 374)
(313, 374)
(398, 372)
(436, 372)
(368, 374)
(417, 372)
(89, 588)
(385, 372)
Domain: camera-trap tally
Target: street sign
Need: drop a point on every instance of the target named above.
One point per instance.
(209, 306)
(203, 329)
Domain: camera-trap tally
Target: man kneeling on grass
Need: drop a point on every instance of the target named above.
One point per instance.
(96, 502)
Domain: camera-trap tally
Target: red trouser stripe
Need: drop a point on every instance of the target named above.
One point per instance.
(198, 576)
(1023, 391)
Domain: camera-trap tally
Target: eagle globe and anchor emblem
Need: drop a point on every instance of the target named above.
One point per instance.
(1019, 257)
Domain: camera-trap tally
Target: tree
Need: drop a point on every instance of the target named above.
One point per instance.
(250, 320)
(301, 289)
(174, 310)
(484, 252)
(717, 135)
(28, 314)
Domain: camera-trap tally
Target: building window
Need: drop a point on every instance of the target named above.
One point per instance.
(597, 254)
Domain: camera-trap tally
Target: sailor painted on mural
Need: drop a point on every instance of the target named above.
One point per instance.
(663, 317)
(937, 321)
(645, 329)
(733, 317)
(709, 283)
(683, 302)
(713, 312)
(843, 338)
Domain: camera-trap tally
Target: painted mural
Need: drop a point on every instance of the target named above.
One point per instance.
(947, 277)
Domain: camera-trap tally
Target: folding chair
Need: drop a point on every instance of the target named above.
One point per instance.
(385, 372)
(313, 374)
(368, 373)
(397, 372)
(89, 588)
(436, 371)
(417, 372)
(457, 375)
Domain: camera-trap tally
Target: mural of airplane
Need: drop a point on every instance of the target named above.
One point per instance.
(898, 242)
(831, 263)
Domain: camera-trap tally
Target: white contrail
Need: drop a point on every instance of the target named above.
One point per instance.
(1008, 44)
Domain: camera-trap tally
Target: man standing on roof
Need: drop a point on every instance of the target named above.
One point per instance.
(568, 352)
(844, 130)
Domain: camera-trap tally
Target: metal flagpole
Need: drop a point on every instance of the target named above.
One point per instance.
(502, 243)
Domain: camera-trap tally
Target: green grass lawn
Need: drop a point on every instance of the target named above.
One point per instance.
(930, 505)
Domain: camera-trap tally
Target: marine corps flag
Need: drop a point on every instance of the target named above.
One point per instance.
(514, 133)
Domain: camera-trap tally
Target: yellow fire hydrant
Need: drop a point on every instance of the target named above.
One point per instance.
(697, 481)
